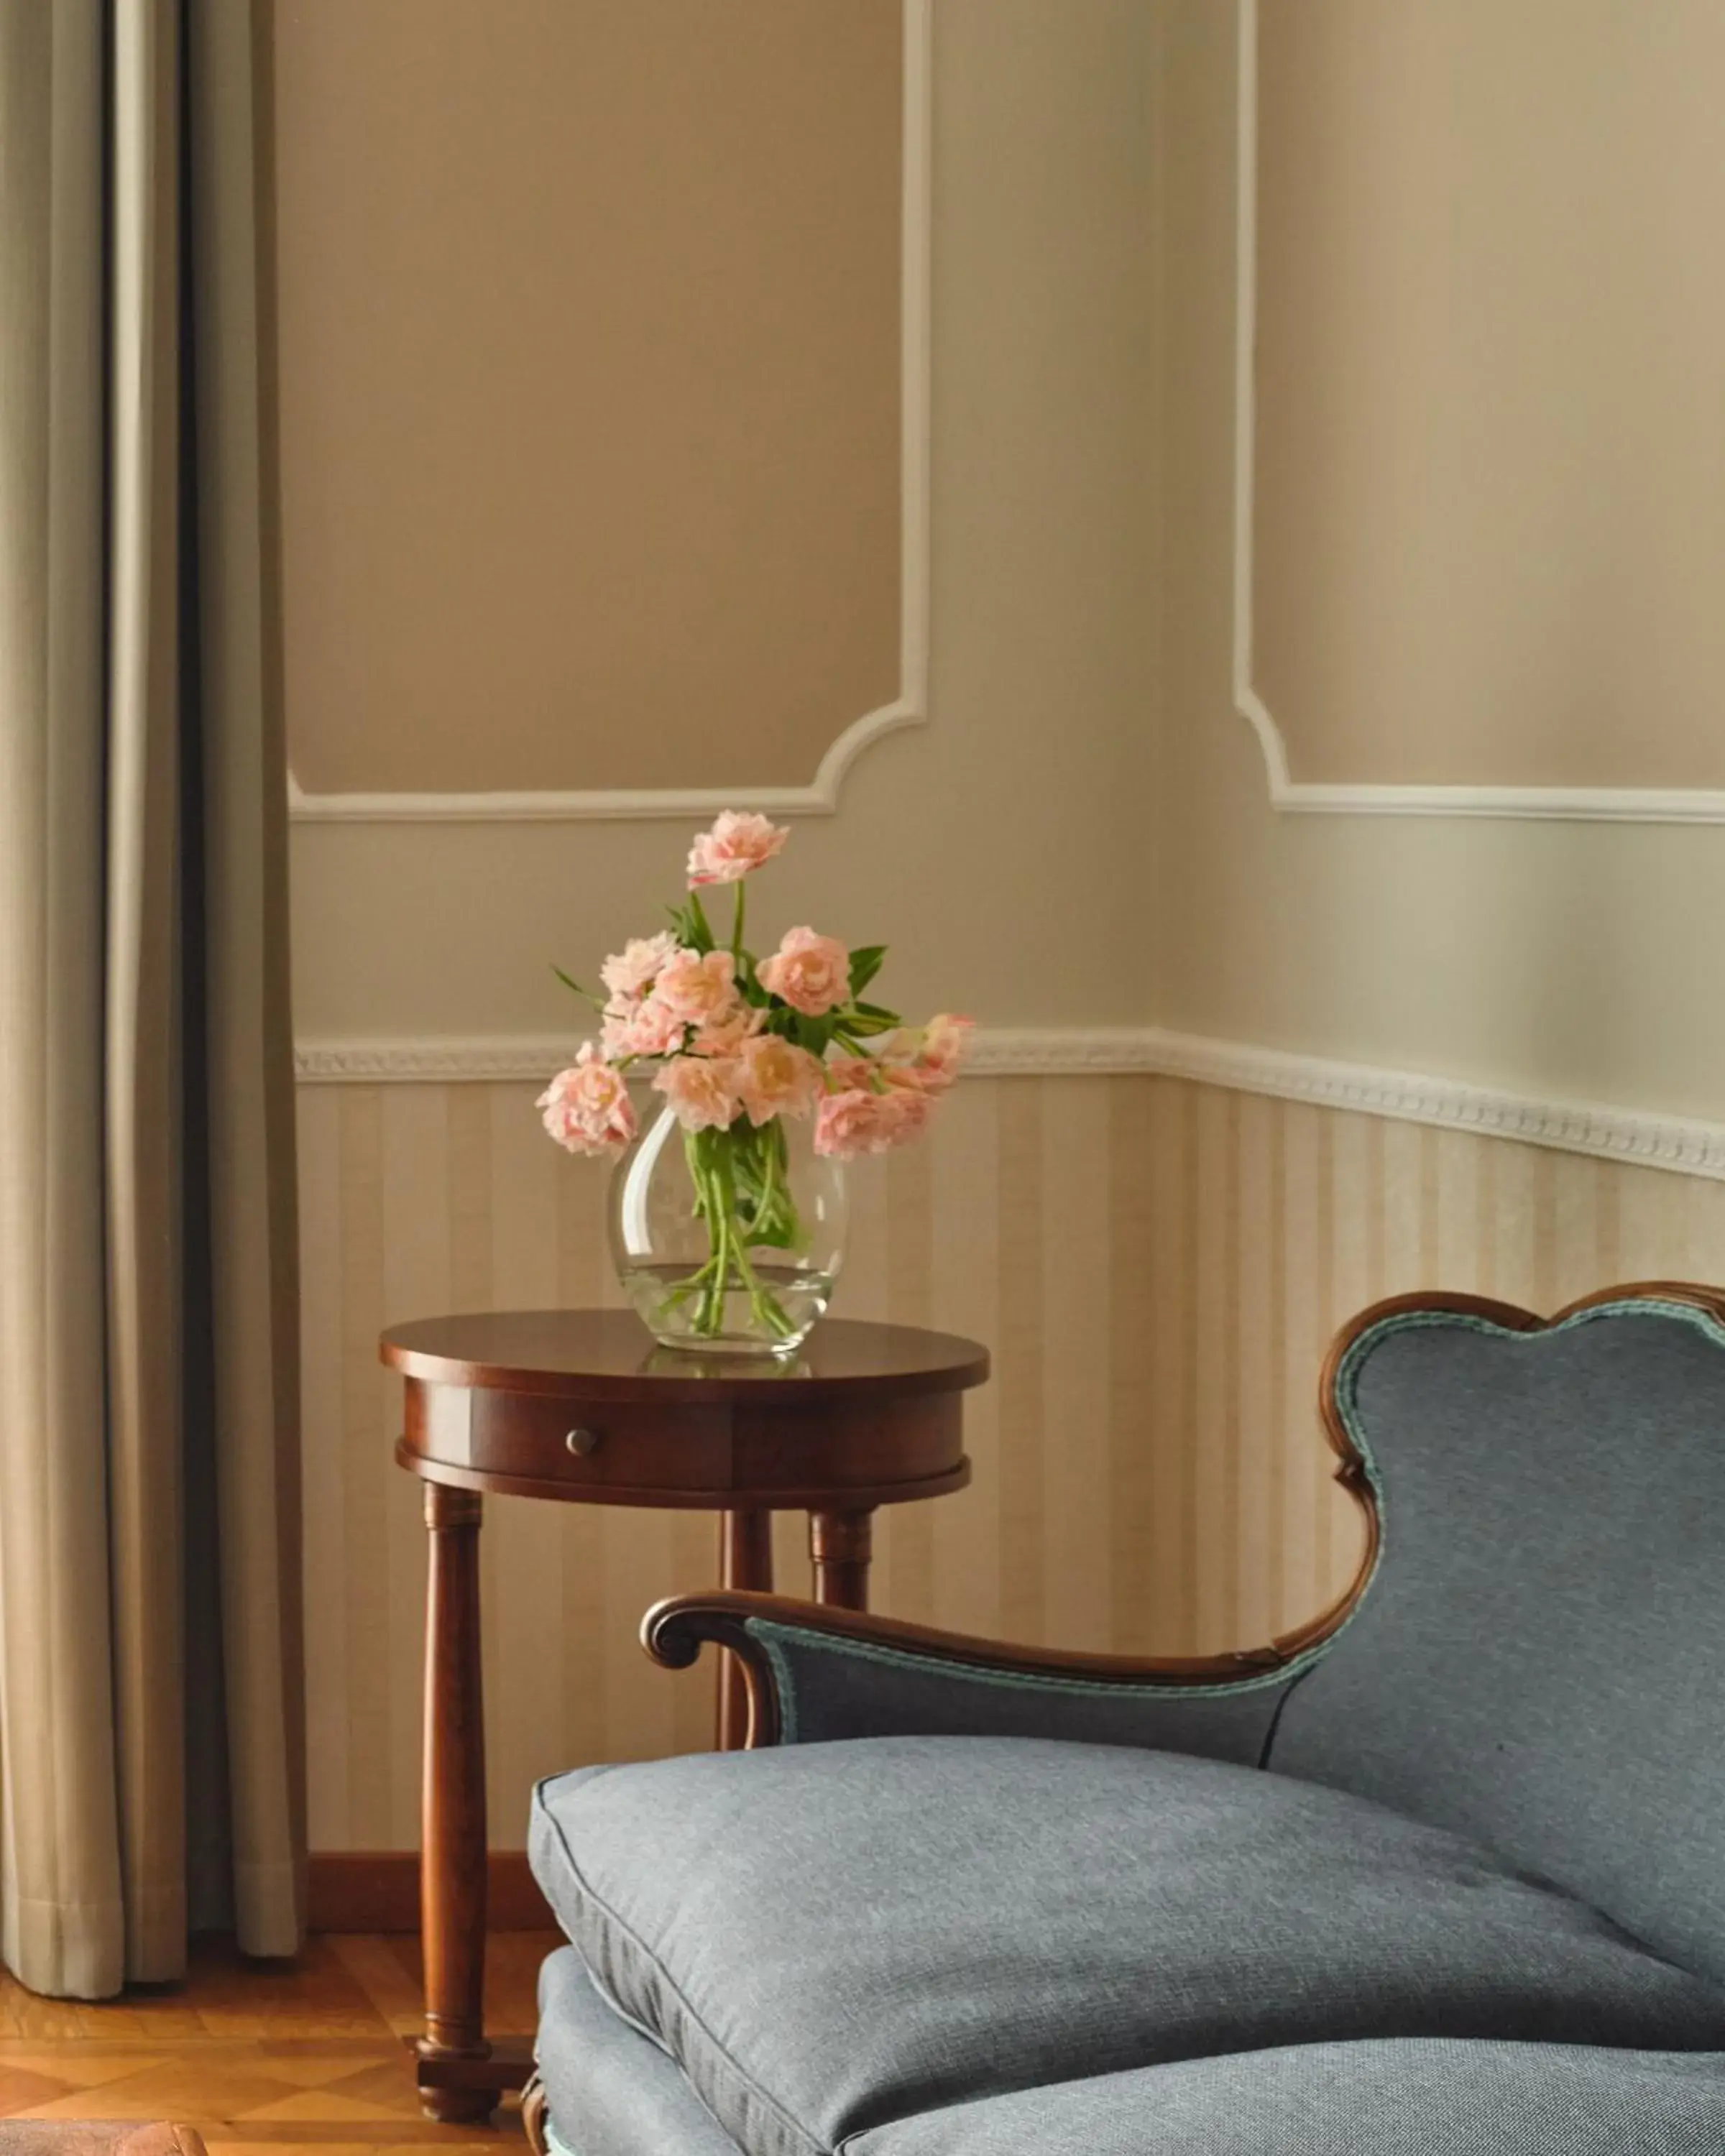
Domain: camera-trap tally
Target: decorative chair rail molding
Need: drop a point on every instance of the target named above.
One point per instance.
(1572, 804)
(1686, 1145)
(820, 796)
(1004, 1052)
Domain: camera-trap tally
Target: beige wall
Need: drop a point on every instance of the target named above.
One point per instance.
(589, 380)
(1000, 848)
(1566, 960)
(1491, 325)
(1158, 1265)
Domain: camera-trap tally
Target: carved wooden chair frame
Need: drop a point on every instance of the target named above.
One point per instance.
(674, 1631)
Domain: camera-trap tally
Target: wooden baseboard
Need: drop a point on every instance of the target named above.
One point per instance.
(377, 1890)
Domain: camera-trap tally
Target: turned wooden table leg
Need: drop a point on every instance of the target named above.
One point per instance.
(745, 1560)
(839, 1547)
(452, 1862)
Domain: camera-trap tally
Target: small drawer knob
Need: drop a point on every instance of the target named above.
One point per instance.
(582, 1442)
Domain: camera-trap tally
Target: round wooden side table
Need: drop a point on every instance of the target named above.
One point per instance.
(580, 1405)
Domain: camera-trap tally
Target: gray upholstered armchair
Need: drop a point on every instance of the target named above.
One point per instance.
(1444, 1871)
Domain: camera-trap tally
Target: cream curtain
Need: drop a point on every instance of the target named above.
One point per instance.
(150, 1716)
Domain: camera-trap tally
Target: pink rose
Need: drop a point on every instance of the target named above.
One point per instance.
(642, 1028)
(774, 1078)
(724, 1035)
(859, 1121)
(699, 1092)
(587, 1107)
(738, 843)
(845, 1073)
(895, 1064)
(811, 972)
(927, 1058)
(632, 968)
(697, 989)
(945, 1043)
(846, 1125)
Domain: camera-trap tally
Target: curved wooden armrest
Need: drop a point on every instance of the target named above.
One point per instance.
(674, 1631)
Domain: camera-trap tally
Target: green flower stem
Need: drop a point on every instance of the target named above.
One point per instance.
(738, 1172)
(711, 1318)
(766, 1210)
(765, 1304)
(736, 1246)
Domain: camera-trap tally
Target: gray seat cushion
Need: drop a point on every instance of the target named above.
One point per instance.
(1422, 2098)
(835, 1936)
(613, 2093)
(610, 2091)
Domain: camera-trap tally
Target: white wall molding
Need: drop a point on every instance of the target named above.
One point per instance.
(820, 796)
(1031, 1052)
(1687, 1145)
(1570, 804)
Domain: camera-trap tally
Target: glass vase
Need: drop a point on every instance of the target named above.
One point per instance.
(729, 1241)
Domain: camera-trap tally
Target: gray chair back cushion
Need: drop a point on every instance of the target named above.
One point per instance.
(1540, 1660)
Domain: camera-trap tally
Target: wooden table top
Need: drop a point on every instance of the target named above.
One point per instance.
(610, 1355)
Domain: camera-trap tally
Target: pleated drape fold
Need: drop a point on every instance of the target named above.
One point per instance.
(151, 1716)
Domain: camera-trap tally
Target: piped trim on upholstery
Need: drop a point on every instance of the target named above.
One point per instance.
(1695, 1315)
(775, 1637)
(1343, 1391)
(1345, 1385)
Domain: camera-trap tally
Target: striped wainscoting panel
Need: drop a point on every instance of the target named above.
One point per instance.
(1158, 1265)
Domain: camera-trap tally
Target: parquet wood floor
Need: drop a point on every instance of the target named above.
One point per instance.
(272, 2056)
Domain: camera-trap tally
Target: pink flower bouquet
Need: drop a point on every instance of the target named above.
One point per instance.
(739, 1044)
